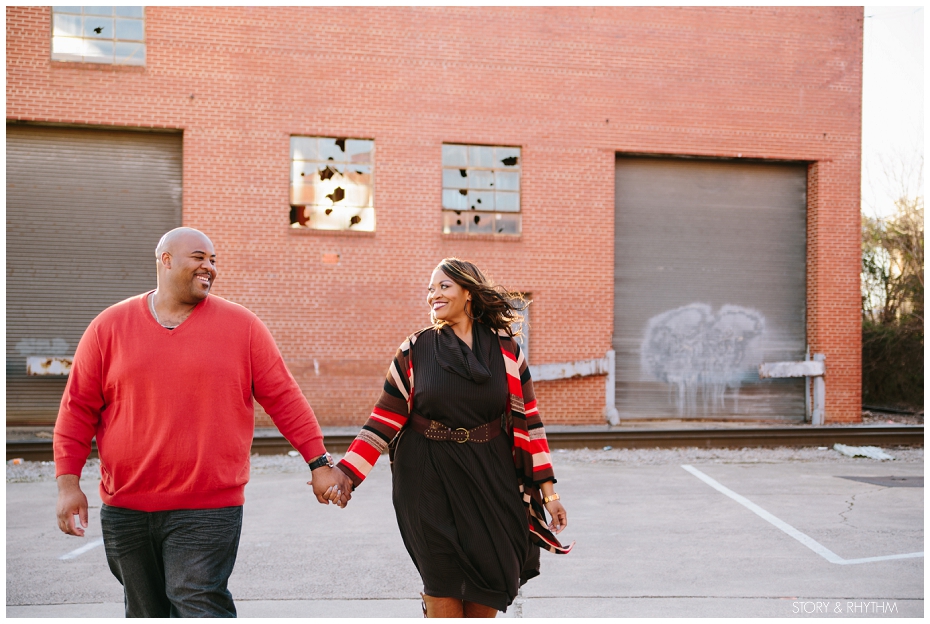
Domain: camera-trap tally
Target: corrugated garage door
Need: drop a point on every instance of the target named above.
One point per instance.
(85, 209)
(709, 282)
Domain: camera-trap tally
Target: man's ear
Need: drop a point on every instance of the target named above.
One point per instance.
(165, 259)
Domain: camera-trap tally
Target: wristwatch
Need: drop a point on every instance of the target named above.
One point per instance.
(323, 460)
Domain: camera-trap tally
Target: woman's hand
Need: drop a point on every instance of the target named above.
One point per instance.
(331, 485)
(559, 516)
(337, 496)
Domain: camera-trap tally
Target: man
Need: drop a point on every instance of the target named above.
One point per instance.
(165, 380)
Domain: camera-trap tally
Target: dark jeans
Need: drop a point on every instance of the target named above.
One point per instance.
(173, 563)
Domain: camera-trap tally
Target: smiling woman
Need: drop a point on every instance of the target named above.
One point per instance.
(460, 293)
(471, 470)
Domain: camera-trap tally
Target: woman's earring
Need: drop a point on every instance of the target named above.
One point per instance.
(474, 318)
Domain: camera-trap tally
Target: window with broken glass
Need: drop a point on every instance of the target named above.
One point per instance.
(480, 189)
(523, 327)
(332, 182)
(99, 34)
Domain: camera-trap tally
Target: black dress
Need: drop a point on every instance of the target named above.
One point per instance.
(458, 505)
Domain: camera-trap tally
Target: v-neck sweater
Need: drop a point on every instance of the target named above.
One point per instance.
(172, 410)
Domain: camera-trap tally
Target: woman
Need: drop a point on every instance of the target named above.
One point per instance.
(456, 438)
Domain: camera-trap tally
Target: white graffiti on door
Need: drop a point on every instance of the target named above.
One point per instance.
(694, 349)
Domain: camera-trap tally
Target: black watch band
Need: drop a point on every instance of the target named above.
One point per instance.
(323, 460)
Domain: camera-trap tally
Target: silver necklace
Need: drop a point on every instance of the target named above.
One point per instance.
(155, 314)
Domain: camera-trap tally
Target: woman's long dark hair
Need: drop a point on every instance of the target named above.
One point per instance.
(493, 305)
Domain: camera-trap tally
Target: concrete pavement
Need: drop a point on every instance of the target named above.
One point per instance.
(652, 541)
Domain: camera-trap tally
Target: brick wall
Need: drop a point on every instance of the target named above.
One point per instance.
(572, 86)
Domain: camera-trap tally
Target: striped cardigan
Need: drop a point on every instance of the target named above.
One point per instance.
(530, 447)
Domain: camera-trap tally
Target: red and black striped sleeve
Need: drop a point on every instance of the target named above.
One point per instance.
(386, 419)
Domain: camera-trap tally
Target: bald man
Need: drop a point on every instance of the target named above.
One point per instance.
(165, 381)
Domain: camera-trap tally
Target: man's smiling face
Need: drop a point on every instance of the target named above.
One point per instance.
(192, 267)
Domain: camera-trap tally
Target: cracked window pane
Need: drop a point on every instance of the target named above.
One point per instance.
(358, 151)
(114, 35)
(358, 174)
(299, 216)
(339, 218)
(452, 178)
(333, 149)
(452, 199)
(480, 200)
(454, 222)
(480, 222)
(507, 157)
(481, 189)
(331, 175)
(98, 27)
(129, 53)
(332, 182)
(304, 173)
(524, 325)
(507, 223)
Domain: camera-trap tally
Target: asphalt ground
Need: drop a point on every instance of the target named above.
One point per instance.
(751, 533)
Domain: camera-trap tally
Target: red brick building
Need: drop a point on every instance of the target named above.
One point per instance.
(740, 103)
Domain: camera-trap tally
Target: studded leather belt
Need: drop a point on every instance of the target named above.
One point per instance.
(432, 430)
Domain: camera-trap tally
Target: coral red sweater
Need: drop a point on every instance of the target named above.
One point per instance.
(172, 409)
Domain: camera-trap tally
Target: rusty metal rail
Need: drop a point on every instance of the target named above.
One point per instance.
(905, 435)
(741, 438)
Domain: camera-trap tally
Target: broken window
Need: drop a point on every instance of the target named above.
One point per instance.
(99, 34)
(523, 326)
(480, 189)
(332, 180)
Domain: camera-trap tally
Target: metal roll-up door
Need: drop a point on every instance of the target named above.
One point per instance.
(85, 209)
(710, 281)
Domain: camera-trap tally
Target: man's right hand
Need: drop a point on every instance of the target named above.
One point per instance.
(71, 502)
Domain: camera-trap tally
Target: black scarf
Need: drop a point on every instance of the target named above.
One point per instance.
(453, 354)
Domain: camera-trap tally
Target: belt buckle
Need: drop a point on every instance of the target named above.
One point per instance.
(467, 435)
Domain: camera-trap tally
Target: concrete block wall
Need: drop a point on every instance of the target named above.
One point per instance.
(571, 86)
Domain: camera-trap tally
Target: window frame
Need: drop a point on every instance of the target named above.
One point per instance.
(307, 216)
(524, 339)
(81, 43)
(505, 222)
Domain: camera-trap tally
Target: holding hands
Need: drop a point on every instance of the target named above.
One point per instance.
(331, 485)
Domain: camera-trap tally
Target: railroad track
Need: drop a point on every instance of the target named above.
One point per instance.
(906, 435)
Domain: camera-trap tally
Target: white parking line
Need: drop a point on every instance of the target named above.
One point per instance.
(808, 541)
(83, 549)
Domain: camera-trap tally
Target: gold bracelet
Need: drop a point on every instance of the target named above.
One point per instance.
(549, 499)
